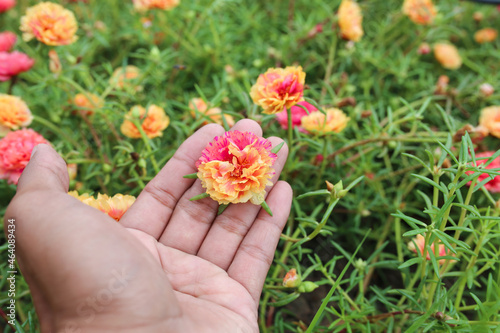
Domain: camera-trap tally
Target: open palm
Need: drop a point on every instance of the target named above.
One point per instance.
(170, 265)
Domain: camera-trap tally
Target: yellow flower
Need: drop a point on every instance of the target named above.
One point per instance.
(335, 120)
(215, 114)
(114, 206)
(154, 121)
(87, 103)
(420, 11)
(236, 168)
(14, 113)
(490, 119)
(350, 20)
(486, 35)
(447, 55)
(278, 89)
(142, 5)
(124, 77)
(50, 23)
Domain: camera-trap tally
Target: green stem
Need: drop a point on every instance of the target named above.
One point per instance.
(57, 130)
(290, 129)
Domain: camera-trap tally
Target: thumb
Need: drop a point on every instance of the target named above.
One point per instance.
(46, 170)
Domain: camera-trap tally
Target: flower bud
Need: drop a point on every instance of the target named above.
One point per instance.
(291, 279)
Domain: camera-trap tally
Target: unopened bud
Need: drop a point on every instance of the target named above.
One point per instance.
(291, 279)
(54, 62)
(307, 287)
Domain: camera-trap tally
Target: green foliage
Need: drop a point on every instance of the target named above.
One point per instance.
(408, 168)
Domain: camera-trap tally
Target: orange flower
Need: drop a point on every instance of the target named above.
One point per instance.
(486, 35)
(420, 11)
(420, 241)
(50, 23)
(154, 121)
(490, 119)
(215, 114)
(114, 206)
(350, 20)
(15, 152)
(142, 5)
(291, 279)
(335, 120)
(14, 113)
(87, 103)
(54, 62)
(237, 167)
(124, 77)
(72, 170)
(278, 89)
(447, 55)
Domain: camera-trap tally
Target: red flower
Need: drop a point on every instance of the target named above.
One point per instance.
(15, 153)
(494, 184)
(7, 40)
(5, 5)
(13, 63)
(297, 114)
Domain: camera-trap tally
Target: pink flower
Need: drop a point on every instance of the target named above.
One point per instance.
(5, 5)
(420, 241)
(13, 63)
(237, 167)
(297, 114)
(494, 184)
(15, 153)
(7, 40)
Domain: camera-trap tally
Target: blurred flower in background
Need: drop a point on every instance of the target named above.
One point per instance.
(486, 35)
(236, 168)
(494, 184)
(447, 55)
(143, 5)
(5, 5)
(15, 152)
(334, 121)
(278, 89)
(153, 122)
(13, 63)
(7, 40)
(14, 113)
(297, 114)
(87, 103)
(420, 245)
(50, 23)
(125, 77)
(114, 206)
(490, 119)
(350, 20)
(420, 11)
(215, 114)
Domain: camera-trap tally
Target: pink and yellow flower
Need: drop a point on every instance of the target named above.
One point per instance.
(334, 121)
(14, 63)
(153, 122)
(236, 167)
(14, 113)
(490, 119)
(486, 35)
(7, 40)
(124, 77)
(447, 55)
(420, 242)
(215, 114)
(278, 89)
(5, 5)
(87, 103)
(494, 184)
(350, 20)
(297, 114)
(15, 153)
(143, 5)
(50, 23)
(420, 11)
(114, 206)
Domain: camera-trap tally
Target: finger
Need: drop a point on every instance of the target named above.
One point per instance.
(256, 252)
(154, 206)
(46, 170)
(229, 228)
(191, 220)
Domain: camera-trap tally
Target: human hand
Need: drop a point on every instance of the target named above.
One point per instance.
(169, 265)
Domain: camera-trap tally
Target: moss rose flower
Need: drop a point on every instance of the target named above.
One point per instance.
(420, 11)
(350, 20)
(236, 167)
(7, 40)
(14, 63)
(486, 35)
(5, 5)
(15, 153)
(494, 184)
(87, 103)
(114, 206)
(14, 113)
(447, 55)
(278, 89)
(334, 121)
(490, 119)
(142, 5)
(297, 114)
(214, 114)
(153, 122)
(420, 242)
(50, 23)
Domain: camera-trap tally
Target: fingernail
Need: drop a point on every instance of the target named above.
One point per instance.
(33, 151)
